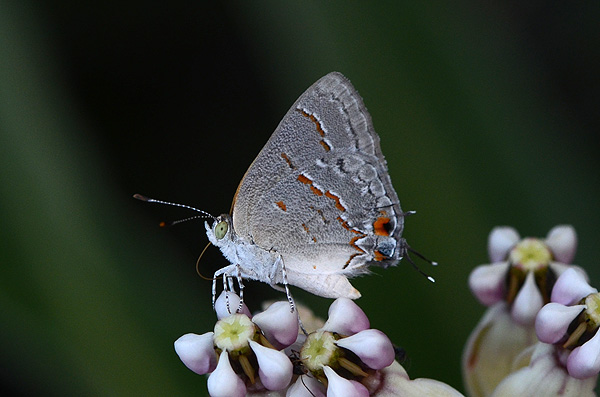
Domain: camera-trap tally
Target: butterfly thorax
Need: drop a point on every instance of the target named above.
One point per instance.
(254, 262)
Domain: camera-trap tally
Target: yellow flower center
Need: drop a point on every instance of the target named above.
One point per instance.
(592, 311)
(319, 350)
(530, 254)
(232, 333)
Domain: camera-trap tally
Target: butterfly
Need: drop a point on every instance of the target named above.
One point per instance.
(317, 205)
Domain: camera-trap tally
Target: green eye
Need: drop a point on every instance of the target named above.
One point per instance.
(220, 230)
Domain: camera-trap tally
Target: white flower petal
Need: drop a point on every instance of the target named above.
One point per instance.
(584, 361)
(492, 348)
(394, 381)
(562, 240)
(341, 387)
(227, 303)
(500, 241)
(544, 376)
(346, 318)
(570, 288)
(306, 386)
(528, 302)
(553, 320)
(559, 268)
(487, 282)
(274, 368)
(279, 324)
(197, 352)
(372, 346)
(223, 382)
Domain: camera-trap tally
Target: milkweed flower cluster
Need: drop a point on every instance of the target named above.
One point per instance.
(538, 337)
(523, 271)
(566, 360)
(345, 351)
(241, 347)
(571, 322)
(535, 298)
(343, 357)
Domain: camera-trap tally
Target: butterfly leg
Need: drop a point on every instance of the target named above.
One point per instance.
(214, 290)
(238, 274)
(224, 272)
(230, 285)
(279, 262)
(227, 286)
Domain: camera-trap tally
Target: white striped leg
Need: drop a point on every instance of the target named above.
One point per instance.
(238, 274)
(227, 287)
(214, 289)
(285, 284)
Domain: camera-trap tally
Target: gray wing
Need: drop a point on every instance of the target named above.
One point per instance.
(320, 189)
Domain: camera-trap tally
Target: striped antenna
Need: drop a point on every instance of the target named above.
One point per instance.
(189, 207)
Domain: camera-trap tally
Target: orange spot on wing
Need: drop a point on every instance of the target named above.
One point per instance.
(338, 205)
(281, 205)
(382, 226)
(350, 259)
(316, 190)
(353, 243)
(325, 145)
(307, 181)
(308, 231)
(288, 161)
(314, 120)
(379, 256)
(347, 227)
(304, 180)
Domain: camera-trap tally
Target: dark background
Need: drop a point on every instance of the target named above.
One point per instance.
(487, 113)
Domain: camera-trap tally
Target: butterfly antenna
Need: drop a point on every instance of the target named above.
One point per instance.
(406, 251)
(432, 263)
(198, 264)
(167, 224)
(189, 207)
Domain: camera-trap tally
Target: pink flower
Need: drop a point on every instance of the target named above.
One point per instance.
(224, 382)
(544, 376)
(372, 346)
(345, 317)
(341, 387)
(523, 271)
(571, 322)
(279, 324)
(515, 286)
(274, 367)
(237, 338)
(197, 352)
(340, 353)
(227, 304)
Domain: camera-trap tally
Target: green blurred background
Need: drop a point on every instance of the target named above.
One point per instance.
(487, 112)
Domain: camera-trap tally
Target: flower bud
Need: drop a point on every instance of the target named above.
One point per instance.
(341, 387)
(372, 346)
(279, 324)
(224, 382)
(197, 352)
(274, 367)
(227, 304)
(345, 317)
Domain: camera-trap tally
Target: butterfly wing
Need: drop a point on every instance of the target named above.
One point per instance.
(319, 192)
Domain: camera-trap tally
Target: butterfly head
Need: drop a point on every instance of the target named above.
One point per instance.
(220, 233)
